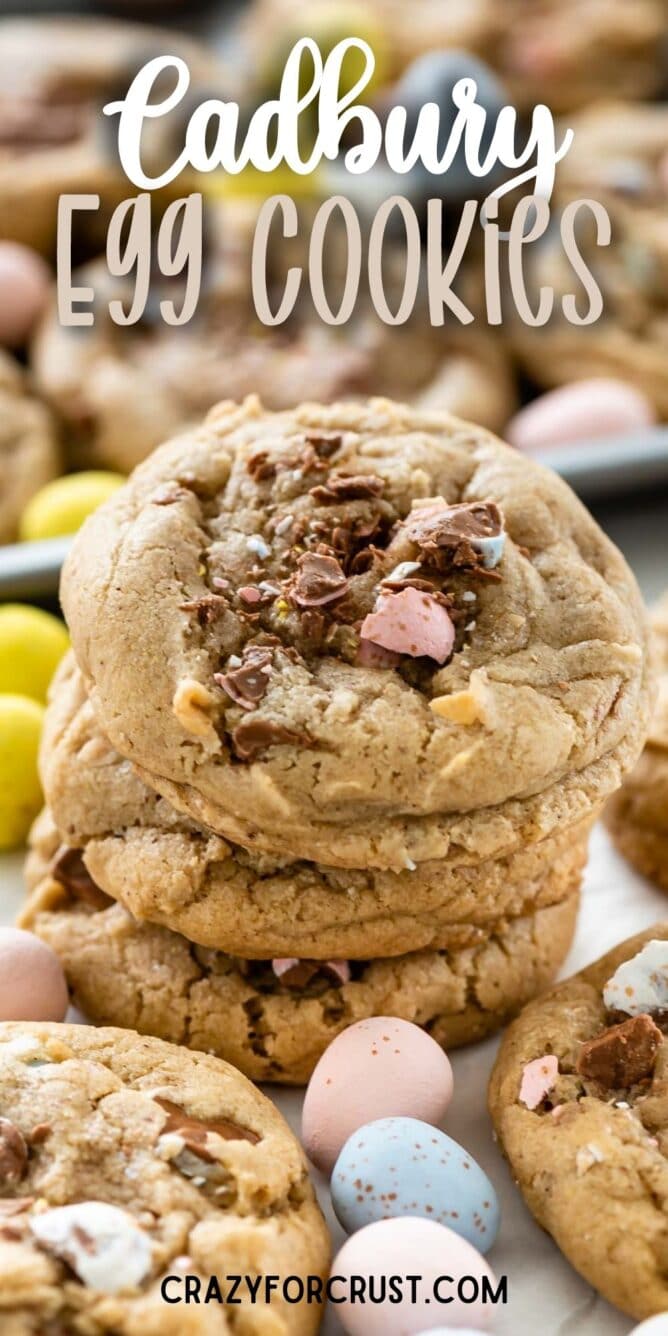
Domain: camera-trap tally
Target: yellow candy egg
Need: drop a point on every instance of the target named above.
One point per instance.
(62, 506)
(32, 643)
(20, 790)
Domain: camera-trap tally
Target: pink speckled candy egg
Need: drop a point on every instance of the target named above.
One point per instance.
(25, 281)
(448, 1268)
(32, 982)
(583, 411)
(378, 1068)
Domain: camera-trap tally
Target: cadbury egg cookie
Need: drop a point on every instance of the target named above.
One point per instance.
(167, 870)
(56, 75)
(29, 453)
(578, 1102)
(618, 158)
(126, 1160)
(349, 633)
(637, 816)
(274, 1018)
(122, 391)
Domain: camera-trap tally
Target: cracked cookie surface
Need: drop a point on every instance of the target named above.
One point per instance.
(166, 869)
(275, 1028)
(578, 1100)
(124, 1159)
(223, 611)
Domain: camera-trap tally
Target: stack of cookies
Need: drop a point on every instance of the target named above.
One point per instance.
(349, 687)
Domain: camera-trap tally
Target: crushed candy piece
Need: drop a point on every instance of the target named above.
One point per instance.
(297, 973)
(470, 536)
(257, 545)
(374, 656)
(13, 1154)
(538, 1079)
(254, 736)
(247, 681)
(411, 622)
(195, 1131)
(347, 487)
(640, 984)
(101, 1243)
(70, 871)
(586, 1157)
(622, 1055)
(318, 580)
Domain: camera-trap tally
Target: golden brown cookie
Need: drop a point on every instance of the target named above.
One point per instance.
(29, 451)
(274, 1020)
(637, 815)
(125, 1160)
(223, 609)
(579, 1105)
(56, 75)
(563, 52)
(167, 870)
(617, 158)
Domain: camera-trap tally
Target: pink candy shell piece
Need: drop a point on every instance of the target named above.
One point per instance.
(538, 1078)
(411, 622)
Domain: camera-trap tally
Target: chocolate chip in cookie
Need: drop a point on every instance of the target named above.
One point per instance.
(195, 1131)
(623, 1055)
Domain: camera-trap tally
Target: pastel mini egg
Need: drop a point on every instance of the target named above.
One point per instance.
(401, 1166)
(21, 722)
(378, 1068)
(25, 281)
(32, 643)
(61, 507)
(32, 982)
(455, 1284)
(582, 411)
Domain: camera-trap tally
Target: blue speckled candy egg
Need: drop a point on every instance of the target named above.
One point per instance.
(401, 1166)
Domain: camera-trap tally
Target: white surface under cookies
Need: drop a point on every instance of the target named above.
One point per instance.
(544, 1292)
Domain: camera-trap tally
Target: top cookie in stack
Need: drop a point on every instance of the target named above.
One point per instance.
(356, 634)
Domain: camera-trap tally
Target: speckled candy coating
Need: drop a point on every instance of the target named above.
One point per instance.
(583, 411)
(412, 1247)
(380, 1067)
(401, 1166)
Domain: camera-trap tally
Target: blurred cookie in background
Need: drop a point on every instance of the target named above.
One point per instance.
(29, 454)
(619, 157)
(56, 74)
(121, 391)
(566, 53)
